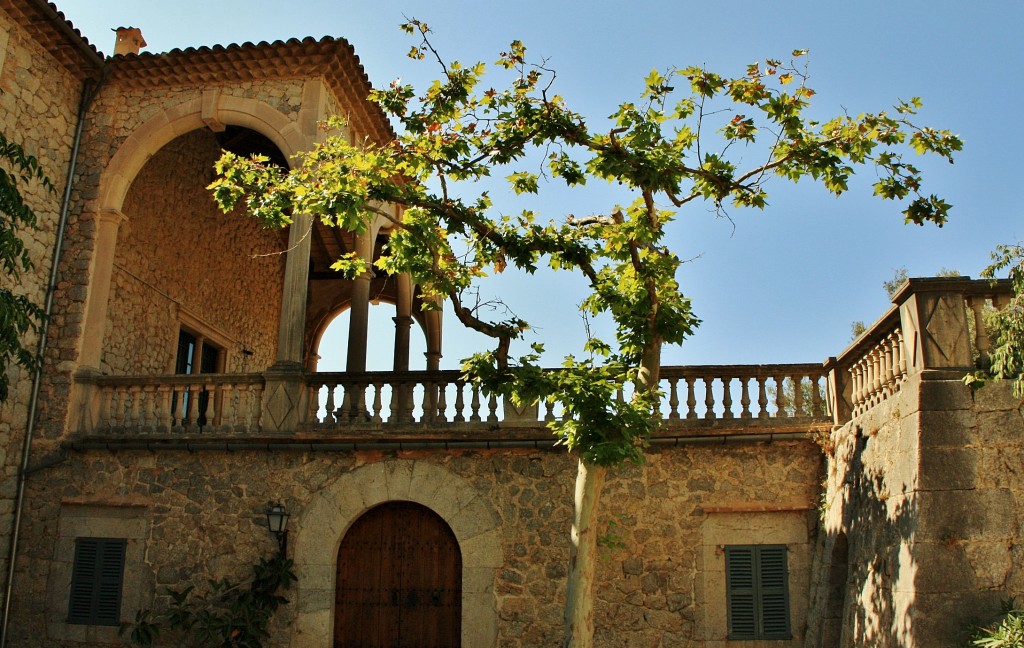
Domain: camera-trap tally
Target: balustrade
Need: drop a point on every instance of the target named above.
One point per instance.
(204, 404)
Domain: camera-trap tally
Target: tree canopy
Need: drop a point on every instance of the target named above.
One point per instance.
(675, 145)
(687, 138)
(18, 314)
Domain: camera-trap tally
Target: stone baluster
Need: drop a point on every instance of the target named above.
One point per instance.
(890, 373)
(780, 396)
(762, 397)
(549, 410)
(673, 399)
(492, 409)
(798, 395)
(441, 413)
(133, 396)
(691, 398)
(148, 423)
(745, 398)
(726, 398)
(709, 397)
(475, 405)
(330, 413)
(460, 403)
(228, 407)
(901, 361)
(378, 405)
(163, 409)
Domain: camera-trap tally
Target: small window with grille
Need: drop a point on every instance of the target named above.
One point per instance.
(757, 592)
(96, 580)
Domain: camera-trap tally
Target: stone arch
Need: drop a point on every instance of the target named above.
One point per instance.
(141, 144)
(319, 327)
(181, 118)
(837, 593)
(325, 520)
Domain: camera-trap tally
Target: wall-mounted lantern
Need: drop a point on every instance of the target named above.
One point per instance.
(277, 522)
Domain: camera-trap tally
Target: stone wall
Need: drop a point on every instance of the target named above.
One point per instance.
(180, 260)
(659, 574)
(38, 108)
(925, 512)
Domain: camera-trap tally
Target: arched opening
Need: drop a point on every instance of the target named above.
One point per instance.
(188, 279)
(838, 585)
(332, 347)
(399, 580)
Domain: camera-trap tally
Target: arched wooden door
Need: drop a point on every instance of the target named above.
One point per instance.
(399, 581)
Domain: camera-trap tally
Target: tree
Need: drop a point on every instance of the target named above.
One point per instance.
(19, 315)
(663, 154)
(1005, 325)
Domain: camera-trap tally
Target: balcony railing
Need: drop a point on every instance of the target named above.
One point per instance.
(232, 404)
(927, 331)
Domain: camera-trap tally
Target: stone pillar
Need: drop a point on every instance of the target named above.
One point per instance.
(403, 322)
(433, 321)
(933, 318)
(107, 223)
(840, 391)
(293, 302)
(285, 396)
(359, 309)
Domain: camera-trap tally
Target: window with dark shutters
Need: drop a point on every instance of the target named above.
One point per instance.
(96, 580)
(757, 592)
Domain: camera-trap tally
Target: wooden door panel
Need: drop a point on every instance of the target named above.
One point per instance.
(399, 581)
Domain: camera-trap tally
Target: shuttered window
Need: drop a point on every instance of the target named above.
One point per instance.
(757, 592)
(96, 580)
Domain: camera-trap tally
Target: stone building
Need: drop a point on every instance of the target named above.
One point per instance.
(179, 397)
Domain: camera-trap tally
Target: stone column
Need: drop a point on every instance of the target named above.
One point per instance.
(359, 309)
(107, 223)
(84, 397)
(433, 319)
(285, 399)
(293, 301)
(403, 322)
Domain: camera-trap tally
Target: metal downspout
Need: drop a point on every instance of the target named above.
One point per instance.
(88, 93)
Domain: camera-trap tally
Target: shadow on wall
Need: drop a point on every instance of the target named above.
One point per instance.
(864, 590)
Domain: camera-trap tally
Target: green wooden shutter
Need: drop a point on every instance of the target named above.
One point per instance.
(774, 595)
(741, 591)
(96, 580)
(757, 592)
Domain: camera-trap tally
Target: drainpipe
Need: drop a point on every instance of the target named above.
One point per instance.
(88, 94)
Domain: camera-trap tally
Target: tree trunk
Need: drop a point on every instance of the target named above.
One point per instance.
(579, 600)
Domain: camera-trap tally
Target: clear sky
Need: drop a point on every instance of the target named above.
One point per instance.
(782, 285)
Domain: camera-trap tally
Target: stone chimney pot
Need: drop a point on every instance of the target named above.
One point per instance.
(129, 41)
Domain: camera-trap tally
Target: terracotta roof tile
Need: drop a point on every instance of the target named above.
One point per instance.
(333, 58)
(57, 35)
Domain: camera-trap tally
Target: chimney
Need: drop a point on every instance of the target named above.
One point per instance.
(129, 41)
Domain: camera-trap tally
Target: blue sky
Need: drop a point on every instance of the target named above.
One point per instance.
(782, 285)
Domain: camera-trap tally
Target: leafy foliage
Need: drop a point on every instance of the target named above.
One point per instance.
(228, 615)
(1006, 632)
(18, 314)
(1006, 325)
(662, 149)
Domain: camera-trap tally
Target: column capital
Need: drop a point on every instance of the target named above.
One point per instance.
(111, 215)
(403, 320)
